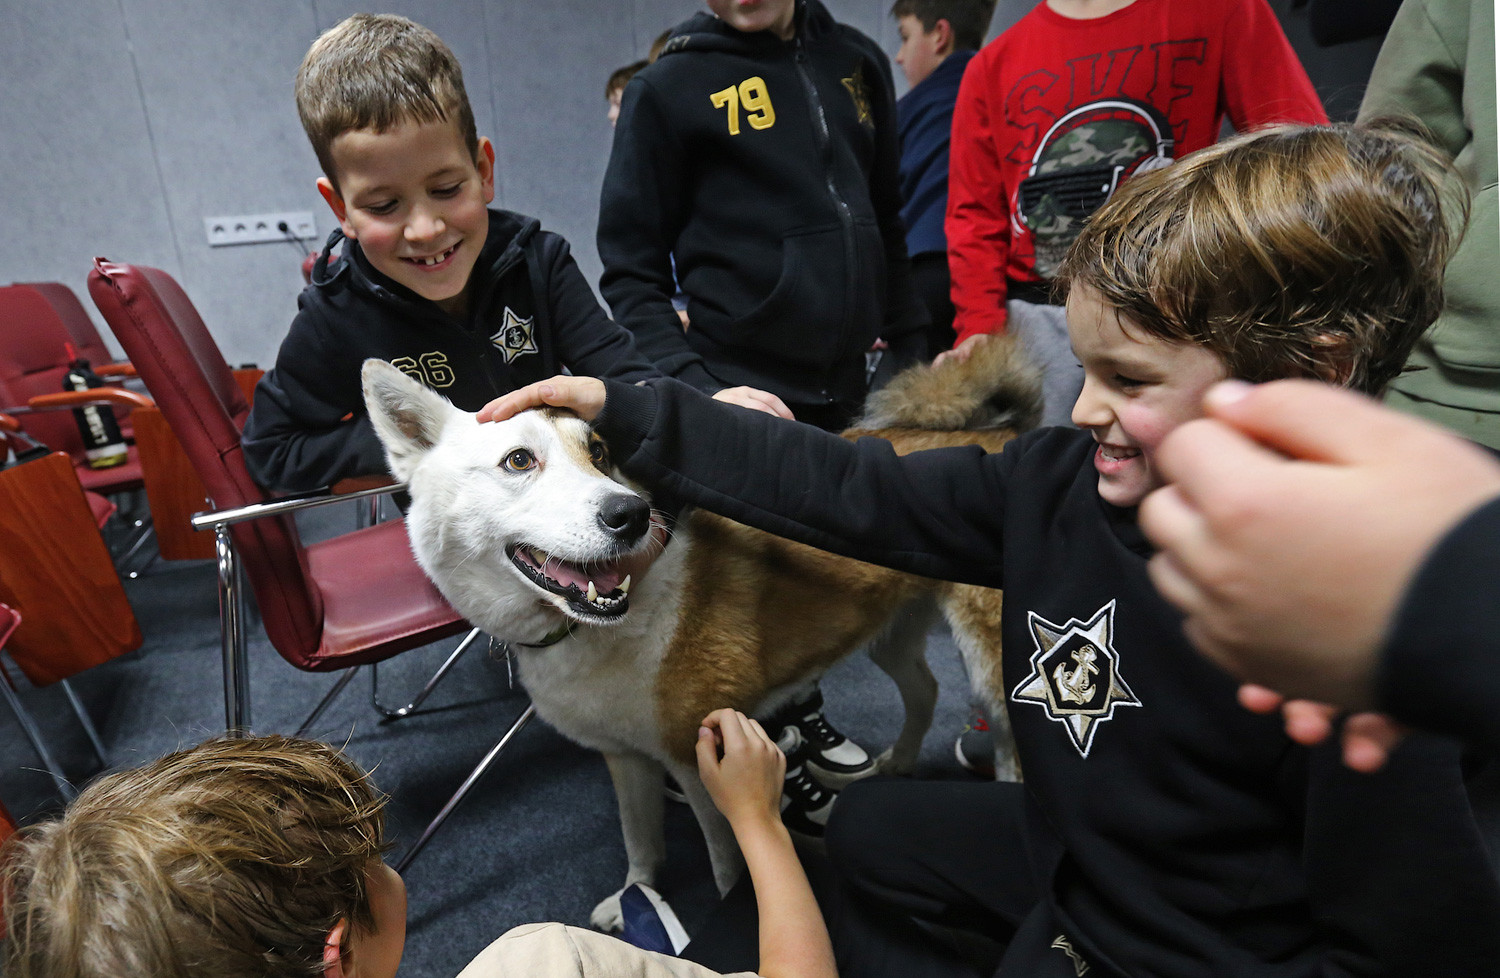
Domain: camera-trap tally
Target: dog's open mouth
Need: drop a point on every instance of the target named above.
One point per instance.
(598, 589)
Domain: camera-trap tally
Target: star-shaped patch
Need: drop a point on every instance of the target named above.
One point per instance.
(860, 93)
(1075, 674)
(516, 336)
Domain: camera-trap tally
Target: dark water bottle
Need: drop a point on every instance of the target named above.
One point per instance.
(103, 445)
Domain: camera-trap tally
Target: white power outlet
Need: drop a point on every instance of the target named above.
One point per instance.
(257, 228)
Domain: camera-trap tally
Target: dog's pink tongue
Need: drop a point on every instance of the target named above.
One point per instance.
(605, 579)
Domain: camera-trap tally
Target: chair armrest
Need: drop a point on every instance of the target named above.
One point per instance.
(116, 396)
(9, 425)
(289, 504)
(115, 370)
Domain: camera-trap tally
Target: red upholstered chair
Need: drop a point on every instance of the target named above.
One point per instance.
(75, 318)
(33, 338)
(354, 599)
(62, 608)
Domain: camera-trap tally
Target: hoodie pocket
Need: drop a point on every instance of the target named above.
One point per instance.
(802, 319)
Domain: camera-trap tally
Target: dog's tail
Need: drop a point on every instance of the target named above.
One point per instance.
(997, 387)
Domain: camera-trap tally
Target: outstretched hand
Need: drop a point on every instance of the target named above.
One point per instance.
(1293, 518)
(964, 350)
(741, 767)
(756, 400)
(584, 396)
(1366, 739)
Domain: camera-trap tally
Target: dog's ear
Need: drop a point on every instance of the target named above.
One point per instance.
(407, 415)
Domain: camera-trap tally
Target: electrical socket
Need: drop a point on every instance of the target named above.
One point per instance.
(257, 228)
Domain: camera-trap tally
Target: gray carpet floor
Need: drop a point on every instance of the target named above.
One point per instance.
(538, 839)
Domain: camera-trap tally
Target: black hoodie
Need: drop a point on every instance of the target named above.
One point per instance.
(533, 314)
(768, 170)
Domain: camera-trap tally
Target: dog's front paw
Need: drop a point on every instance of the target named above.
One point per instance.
(607, 916)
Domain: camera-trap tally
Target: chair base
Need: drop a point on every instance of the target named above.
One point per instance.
(464, 789)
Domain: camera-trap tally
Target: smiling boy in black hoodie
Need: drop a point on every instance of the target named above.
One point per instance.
(471, 301)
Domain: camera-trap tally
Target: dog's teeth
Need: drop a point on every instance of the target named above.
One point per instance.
(593, 593)
(625, 585)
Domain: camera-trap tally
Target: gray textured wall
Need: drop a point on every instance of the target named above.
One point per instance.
(123, 123)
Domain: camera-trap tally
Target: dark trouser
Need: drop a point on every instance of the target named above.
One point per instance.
(929, 277)
(950, 854)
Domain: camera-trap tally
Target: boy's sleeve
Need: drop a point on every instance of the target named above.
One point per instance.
(1264, 81)
(641, 210)
(1398, 874)
(589, 343)
(939, 513)
(904, 312)
(1440, 667)
(978, 217)
(307, 428)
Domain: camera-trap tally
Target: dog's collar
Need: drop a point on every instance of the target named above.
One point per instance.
(551, 638)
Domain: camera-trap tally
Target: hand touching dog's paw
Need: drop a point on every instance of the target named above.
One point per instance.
(607, 916)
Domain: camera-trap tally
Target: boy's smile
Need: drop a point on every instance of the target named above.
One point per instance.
(1137, 388)
(414, 199)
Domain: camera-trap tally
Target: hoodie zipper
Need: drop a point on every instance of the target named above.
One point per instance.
(841, 206)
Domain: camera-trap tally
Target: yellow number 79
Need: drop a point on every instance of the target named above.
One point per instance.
(752, 94)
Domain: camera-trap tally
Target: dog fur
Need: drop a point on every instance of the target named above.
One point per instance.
(723, 615)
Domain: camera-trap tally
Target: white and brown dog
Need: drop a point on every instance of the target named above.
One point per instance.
(625, 641)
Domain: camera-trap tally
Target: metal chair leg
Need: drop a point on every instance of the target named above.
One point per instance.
(83, 719)
(34, 734)
(232, 638)
(327, 700)
(464, 789)
(437, 677)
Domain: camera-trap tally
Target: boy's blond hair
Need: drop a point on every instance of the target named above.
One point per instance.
(1294, 251)
(235, 858)
(376, 71)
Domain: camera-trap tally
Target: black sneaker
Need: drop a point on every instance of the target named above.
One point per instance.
(975, 747)
(805, 804)
(833, 759)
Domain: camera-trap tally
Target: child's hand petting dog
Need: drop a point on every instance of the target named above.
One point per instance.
(741, 767)
(584, 396)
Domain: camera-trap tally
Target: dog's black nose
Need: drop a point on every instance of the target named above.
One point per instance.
(626, 516)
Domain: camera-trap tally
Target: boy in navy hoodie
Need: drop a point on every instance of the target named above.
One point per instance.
(938, 37)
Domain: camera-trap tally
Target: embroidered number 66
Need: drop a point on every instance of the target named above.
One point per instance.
(750, 93)
(431, 369)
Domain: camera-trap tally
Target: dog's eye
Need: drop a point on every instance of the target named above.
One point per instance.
(598, 454)
(520, 460)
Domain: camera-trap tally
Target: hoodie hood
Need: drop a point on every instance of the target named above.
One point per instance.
(706, 32)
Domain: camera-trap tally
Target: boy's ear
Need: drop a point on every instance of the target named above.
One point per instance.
(333, 951)
(485, 161)
(336, 204)
(407, 415)
(943, 37)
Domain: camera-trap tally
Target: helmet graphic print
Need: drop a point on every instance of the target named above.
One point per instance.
(1079, 163)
